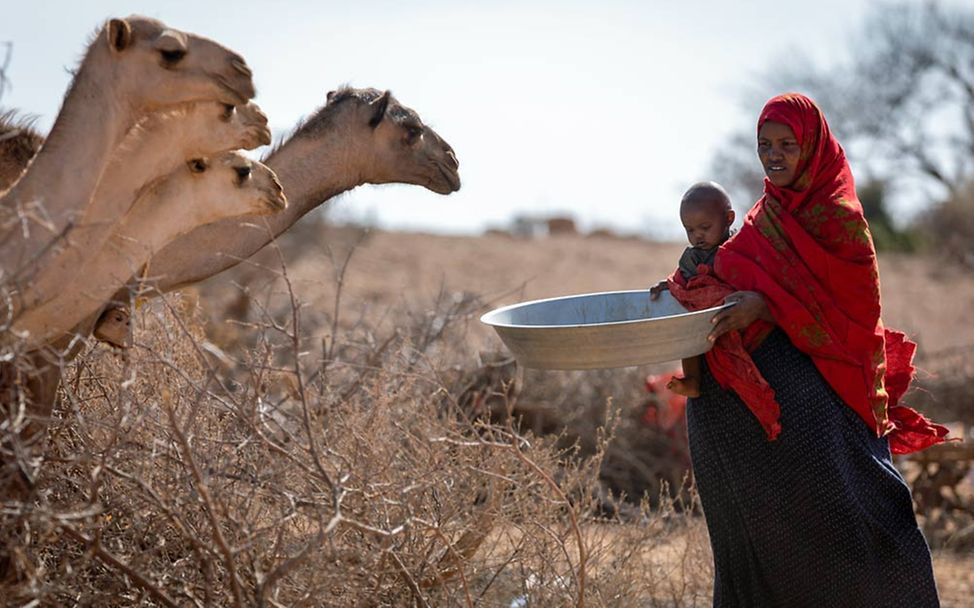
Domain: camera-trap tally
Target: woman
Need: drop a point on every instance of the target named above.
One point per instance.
(818, 516)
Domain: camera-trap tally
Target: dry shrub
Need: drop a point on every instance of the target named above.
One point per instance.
(948, 226)
(643, 461)
(341, 471)
(940, 477)
(299, 459)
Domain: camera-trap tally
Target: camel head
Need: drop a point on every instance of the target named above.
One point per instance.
(228, 185)
(205, 128)
(391, 141)
(114, 327)
(152, 65)
(248, 120)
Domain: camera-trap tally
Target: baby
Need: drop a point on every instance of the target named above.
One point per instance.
(706, 213)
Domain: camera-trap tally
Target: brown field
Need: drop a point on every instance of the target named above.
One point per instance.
(392, 268)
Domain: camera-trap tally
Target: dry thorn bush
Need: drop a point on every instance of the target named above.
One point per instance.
(344, 471)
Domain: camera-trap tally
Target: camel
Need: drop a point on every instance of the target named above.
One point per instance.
(158, 145)
(19, 142)
(196, 194)
(360, 136)
(133, 67)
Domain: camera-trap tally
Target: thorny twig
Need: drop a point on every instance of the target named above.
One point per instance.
(204, 494)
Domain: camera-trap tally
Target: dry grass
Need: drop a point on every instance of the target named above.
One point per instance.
(299, 472)
(358, 450)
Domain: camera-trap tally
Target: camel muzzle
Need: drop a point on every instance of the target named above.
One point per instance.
(241, 66)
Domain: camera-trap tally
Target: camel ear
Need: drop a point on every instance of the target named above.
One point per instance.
(379, 109)
(329, 96)
(119, 34)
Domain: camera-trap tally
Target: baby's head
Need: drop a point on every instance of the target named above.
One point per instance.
(706, 214)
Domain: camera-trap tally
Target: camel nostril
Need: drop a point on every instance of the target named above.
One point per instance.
(453, 158)
(241, 66)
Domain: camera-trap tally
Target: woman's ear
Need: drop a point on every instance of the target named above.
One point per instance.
(731, 216)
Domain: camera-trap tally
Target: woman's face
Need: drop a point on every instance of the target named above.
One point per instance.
(779, 152)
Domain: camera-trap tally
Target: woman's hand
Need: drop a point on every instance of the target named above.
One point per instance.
(750, 306)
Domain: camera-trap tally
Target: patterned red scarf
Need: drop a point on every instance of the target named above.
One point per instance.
(729, 361)
(807, 249)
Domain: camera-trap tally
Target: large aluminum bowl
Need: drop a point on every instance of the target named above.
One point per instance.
(601, 330)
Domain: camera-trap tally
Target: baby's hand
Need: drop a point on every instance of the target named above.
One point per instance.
(656, 289)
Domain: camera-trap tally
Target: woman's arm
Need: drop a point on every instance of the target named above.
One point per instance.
(750, 307)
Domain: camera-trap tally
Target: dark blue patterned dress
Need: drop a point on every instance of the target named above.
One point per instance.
(820, 517)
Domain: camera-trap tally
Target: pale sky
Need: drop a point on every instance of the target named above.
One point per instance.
(606, 111)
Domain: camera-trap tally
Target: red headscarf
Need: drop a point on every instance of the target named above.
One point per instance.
(807, 249)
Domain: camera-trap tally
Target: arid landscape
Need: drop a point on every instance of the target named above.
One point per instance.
(328, 424)
(389, 277)
(207, 402)
(924, 297)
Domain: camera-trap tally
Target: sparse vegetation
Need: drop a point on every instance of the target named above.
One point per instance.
(309, 455)
(336, 473)
(949, 227)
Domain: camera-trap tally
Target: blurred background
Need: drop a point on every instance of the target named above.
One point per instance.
(603, 113)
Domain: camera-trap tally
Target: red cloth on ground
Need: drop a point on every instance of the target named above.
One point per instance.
(807, 249)
(729, 361)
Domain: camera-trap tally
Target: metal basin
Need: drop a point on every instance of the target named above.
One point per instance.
(601, 330)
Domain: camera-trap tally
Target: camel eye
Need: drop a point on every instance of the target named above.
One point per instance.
(197, 165)
(173, 57)
(413, 133)
(242, 173)
(227, 112)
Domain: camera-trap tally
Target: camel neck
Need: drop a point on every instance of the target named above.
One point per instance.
(157, 158)
(88, 127)
(312, 173)
(63, 175)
